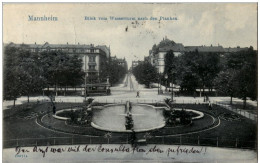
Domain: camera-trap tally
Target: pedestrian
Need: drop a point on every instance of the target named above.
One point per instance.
(137, 94)
(210, 106)
(194, 94)
(207, 98)
(54, 109)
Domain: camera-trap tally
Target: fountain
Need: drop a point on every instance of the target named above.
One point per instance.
(129, 124)
(127, 117)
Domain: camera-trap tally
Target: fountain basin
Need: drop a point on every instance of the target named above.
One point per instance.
(112, 118)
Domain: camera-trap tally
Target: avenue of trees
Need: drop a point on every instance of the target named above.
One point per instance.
(113, 71)
(145, 73)
(238, 77)
(193, 70)
(27, 73)
(230, 74)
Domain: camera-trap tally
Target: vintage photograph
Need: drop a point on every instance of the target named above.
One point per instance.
(129, 82)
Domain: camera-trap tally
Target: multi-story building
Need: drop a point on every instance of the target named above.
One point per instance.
(91, 55)
(120, 61)
(157, 53)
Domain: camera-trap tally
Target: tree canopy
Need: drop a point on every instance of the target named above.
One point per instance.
(145, 73)
(26, 72)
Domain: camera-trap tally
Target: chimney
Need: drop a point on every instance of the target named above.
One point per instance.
(78, 43)
(35, 43)
(67, 43)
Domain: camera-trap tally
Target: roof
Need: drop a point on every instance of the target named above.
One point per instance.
(233, 50)
(176, 47)
(45, 45)
(213, 49)
(105, 49)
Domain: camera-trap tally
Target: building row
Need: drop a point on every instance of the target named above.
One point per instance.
(93, 57)
(157, 53)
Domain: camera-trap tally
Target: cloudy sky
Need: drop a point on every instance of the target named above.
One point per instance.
(227, 24)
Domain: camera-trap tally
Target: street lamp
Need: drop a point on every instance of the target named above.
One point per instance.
(172, 90)
(159, 81)
(172, 86)
(85, 84)
(166, 77)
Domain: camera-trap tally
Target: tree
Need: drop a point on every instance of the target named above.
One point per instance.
(247, 76)
(245, 63)
(23, 74)
(112, 70)
(226, 83)
(30, 74)
(11, 83)
(170, 65)
(62, 69)
(196, 69)
(145, 73)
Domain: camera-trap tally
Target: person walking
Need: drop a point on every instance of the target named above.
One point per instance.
(210, 106)
(137, 94)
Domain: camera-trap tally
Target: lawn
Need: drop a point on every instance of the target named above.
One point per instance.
(237, 133)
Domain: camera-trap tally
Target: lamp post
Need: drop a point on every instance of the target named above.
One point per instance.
(85, 84)
(159, 82)
(158, 85)
(166, 77)
(172, 87)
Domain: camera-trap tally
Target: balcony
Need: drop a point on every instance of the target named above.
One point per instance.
(92, 70)
(92, 63)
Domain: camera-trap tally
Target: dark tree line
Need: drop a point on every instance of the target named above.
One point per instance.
(239, 75)
(145, 73)
(232, 74)
(26, 72)
(192, 70)
(113, 71)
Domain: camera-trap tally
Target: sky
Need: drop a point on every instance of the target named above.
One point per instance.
(226, 24)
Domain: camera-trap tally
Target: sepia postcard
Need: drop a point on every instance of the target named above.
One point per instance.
(129, 82)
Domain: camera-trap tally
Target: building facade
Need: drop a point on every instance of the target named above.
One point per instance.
(120, 62)
(157, 53)
(92, 56)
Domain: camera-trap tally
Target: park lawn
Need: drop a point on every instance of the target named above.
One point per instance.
(238, 133)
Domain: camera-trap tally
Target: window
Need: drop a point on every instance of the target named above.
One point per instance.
(91, 50)
(92, 67)
(92, 58)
